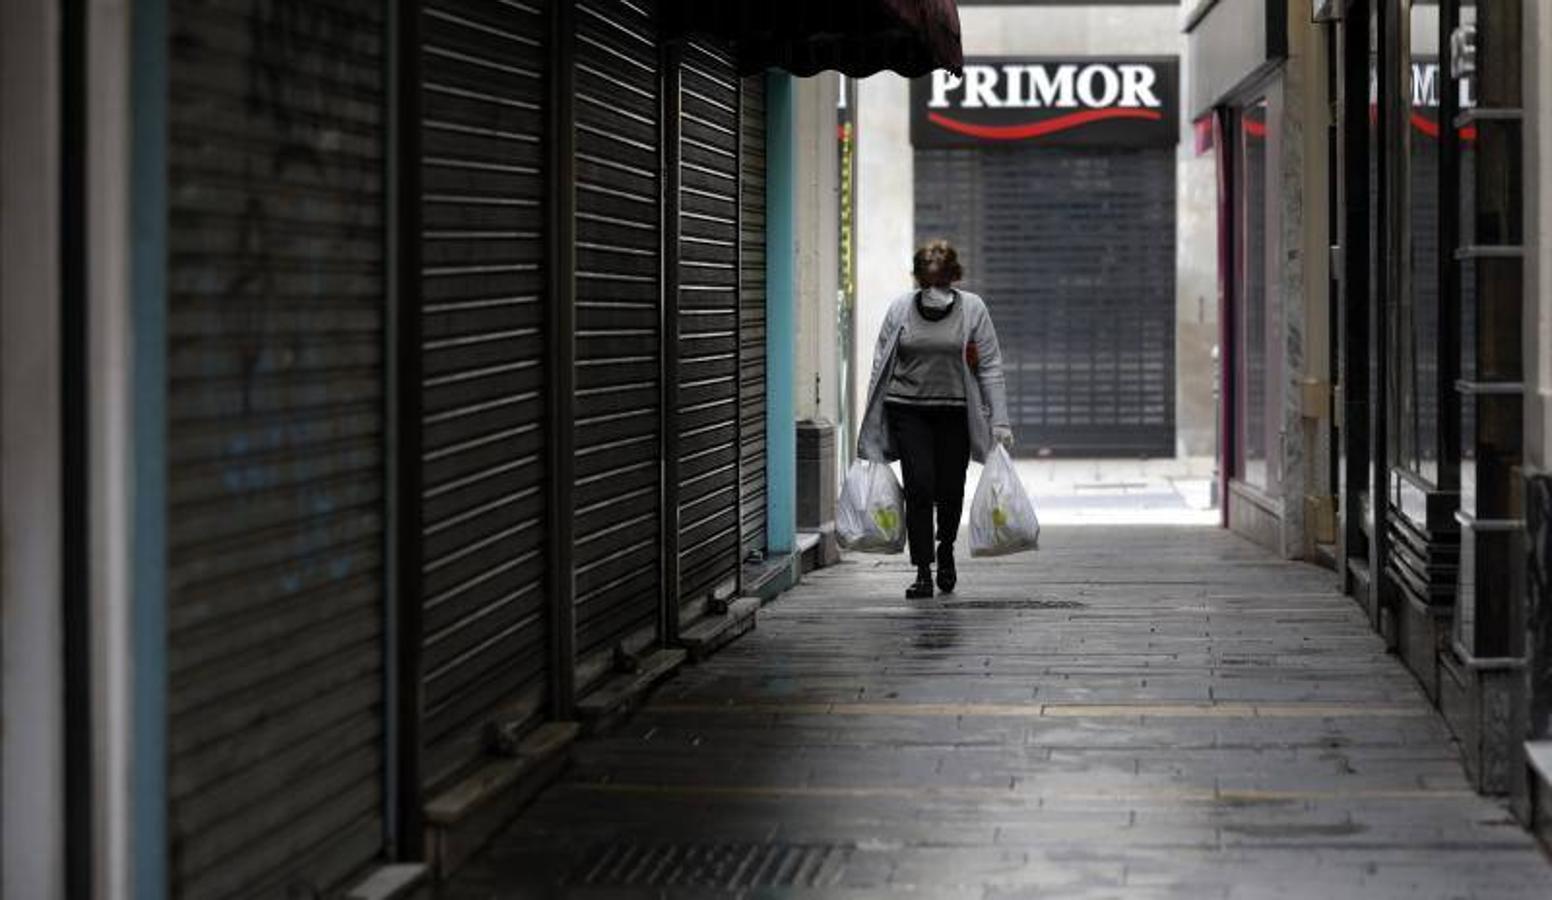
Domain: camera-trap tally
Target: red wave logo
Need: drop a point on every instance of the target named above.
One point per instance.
(1424, 124)
(1043, 127)
(1431, 128)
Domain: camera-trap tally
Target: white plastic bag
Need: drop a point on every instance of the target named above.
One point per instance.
(1002, 517)
(870, 514)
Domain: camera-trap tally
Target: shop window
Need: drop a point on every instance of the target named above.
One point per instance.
(1257, 413)
(1415, 326)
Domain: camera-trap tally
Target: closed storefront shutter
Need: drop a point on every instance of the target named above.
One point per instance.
(274, 445)
(482, 382)
(751, 323)
(1074, 251)
(618, 412)
(707, 417)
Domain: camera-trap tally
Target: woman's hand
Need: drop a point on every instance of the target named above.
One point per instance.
(972, 355)
(1003, 435)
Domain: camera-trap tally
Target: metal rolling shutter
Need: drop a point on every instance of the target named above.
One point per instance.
(1074, 250)
(707, 417)
(618, 407)
(274, 443)
(485, 630)
(751, 323)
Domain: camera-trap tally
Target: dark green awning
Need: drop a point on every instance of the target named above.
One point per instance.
(857, 37)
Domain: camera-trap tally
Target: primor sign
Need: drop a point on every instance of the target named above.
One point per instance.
(1067, 102)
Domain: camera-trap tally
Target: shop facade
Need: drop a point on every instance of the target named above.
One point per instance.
(475, 420)
(1056, 164)
(413, 389)
(1382, 307)
(1252, 101)
(1055, 179)
(1439, 555)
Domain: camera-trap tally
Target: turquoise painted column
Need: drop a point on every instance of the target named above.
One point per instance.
(148, 318)
(780, 317)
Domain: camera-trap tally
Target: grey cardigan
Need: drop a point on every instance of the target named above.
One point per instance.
(986, 398)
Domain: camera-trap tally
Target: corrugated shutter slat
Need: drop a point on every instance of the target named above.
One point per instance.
(275, 432)
(484, 621)
(618, 404)
(751, 350)
(708, 389)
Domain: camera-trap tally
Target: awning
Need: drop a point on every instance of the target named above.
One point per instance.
(857, 37)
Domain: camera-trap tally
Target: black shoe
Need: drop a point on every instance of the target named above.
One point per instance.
(947, 575)
(922, 589)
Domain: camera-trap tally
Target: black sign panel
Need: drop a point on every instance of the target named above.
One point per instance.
(1131, 102)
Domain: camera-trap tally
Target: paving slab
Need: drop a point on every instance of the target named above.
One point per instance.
(1131, 712)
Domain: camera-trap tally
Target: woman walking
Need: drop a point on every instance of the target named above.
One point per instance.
(936, 399)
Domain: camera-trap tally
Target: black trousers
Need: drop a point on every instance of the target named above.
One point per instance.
(934, 448)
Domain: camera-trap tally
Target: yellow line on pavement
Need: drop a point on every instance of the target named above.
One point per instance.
(809, 791)
(1230, 710)
(1027, 790)
(1055, 710)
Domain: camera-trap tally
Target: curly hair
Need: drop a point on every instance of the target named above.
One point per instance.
(936, 264)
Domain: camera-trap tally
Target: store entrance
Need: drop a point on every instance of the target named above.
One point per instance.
(1073, 249)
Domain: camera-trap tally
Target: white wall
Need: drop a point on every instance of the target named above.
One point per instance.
(31, 650)
(885, 209)
(816, 393)
(885, 192)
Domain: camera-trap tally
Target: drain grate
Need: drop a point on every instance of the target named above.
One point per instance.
(1014, 604)
(727, 866)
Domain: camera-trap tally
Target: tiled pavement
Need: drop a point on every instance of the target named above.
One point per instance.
(1130, 712)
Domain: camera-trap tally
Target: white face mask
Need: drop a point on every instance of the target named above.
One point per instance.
(937, 298)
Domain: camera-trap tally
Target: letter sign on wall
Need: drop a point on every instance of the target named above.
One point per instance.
(1052, 102)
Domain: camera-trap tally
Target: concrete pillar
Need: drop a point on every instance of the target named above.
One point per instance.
(32, 753)
(1304, 284)
(781, 312)
(1534, 797)
(1537, 84)
(112, 429)
(1536, 81)
(148, 475)
(816, 246)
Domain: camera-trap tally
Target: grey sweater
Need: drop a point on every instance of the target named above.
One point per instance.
(928, 355)
(986, 402)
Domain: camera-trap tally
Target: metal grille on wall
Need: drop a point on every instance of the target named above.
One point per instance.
(751, 323)
(482, 441)
(1074, 251)
(618, 408)
(707, 414)
(274, 445)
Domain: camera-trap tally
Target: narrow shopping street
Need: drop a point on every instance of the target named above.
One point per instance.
(1131, 712)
